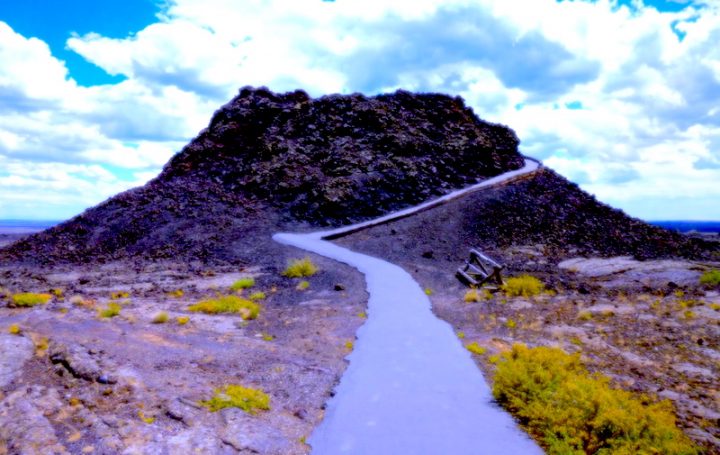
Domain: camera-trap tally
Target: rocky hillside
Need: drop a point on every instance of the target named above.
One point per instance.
(281, 160)
(542, 218)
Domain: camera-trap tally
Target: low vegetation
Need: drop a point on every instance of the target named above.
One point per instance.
(29, 299)
(116, 295)
(303, 285)
(176, 294)
(259, 295)
(523, 286)
(710, 278)
(14, 329)
(227, 304)
(475, 348)
(242, 283)
(236, 396)
(182, 320)
(110, 311)
(570, 411)
(160, 318)
(299, 268)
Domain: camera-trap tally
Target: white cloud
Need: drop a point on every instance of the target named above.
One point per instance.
(607, 94)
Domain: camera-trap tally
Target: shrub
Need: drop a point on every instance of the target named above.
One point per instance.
(112, 310)
(510, 324)
(428, 291)
(711, 278)
(29, 299)
(349, 345)
(14, 329)
(471, 296)
(116, 295)
(146, 419)
(475, 348)
(585, 315)
(176, 294)
(160, 318)
(237, 396)
(570, 411)
(255, 296)
(303, 285)
(182, 320)
(523, 286)
(460, 334)
(300, 268)
(58, 293)
(242, 283)
(227, 304)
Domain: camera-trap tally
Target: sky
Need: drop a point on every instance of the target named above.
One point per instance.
(620, 96)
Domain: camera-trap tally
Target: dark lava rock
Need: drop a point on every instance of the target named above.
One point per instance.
(272, 160)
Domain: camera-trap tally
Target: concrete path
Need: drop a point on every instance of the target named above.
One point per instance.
(411, 387)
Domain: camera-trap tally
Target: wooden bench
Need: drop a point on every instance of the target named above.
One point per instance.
(479, 270)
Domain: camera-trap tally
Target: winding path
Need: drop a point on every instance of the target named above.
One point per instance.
(411, 387)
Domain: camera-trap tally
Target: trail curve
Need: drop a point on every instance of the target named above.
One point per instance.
(410, 386)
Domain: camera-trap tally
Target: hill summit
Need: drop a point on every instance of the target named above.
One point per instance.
(268, 160)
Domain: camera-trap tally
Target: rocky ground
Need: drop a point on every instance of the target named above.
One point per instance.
(85, 384)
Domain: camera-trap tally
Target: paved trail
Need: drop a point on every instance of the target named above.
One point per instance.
(411, 387)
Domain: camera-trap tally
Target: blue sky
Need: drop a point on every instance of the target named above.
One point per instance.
(622, 97)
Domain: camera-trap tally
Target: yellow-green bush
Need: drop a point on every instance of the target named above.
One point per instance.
(30, 299)
(237, 396)
(242, 283)
(116, 295)
(302, 285)
(570, 411)
(523, 286)
(14, 329)
(475, 348)
(227, 304)
(259, 295)
(112, 310)
(711, 278)
(299, 268)
(160, 318)
(182, 320)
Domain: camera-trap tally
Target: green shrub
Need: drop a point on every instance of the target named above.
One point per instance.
(160, 318)
(242, 283)
(117, 295)
(523, 286)
(570, 411)
(475, 348)
(711, 278)
(14, 329)
(176, 294)
(29, 299)
(255, 296)
(299, 268)
(112, 310)
(303, 285)
(182, 320)
(237, 396)
(227, 304)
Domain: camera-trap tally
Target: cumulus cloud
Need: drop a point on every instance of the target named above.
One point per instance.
(621, 99)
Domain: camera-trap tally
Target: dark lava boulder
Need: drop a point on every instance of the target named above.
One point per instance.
(272, 161)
